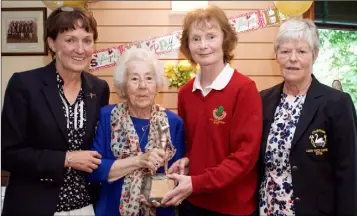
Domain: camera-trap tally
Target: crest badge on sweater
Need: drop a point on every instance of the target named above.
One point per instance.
(218, 115)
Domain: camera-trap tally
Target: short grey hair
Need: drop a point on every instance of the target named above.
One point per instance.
(135, 54)
(299, 29)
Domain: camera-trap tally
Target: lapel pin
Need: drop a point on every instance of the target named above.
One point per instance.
(91, 95)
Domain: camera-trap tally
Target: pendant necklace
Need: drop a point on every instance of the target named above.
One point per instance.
(143, 128)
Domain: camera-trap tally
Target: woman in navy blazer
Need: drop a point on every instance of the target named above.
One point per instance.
(48, 124)
(126, 138)
(308, 151)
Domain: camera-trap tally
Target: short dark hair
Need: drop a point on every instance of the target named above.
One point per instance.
(65, 19)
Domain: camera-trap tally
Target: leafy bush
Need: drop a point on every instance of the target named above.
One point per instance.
(338, 59)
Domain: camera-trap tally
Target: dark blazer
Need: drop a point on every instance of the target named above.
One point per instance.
(323, 175)
(34, 141)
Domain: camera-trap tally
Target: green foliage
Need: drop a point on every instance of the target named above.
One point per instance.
(343, 61)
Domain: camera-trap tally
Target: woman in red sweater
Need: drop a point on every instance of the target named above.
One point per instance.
(222, 114)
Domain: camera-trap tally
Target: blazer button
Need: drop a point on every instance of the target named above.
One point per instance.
(294, 168)
(297, 199)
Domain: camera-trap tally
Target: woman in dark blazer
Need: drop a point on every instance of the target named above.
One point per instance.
(48, 124)
(308, 152)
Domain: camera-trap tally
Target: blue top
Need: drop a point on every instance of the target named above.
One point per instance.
(108, 204)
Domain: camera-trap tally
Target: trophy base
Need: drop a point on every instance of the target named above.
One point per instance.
(156, 187)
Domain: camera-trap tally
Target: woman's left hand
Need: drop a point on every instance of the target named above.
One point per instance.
(181, 192)
(143, 200)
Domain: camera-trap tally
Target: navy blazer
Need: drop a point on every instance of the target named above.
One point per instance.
(323, 175)
(34, 140)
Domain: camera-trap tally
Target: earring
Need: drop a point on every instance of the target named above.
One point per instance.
(122, 93)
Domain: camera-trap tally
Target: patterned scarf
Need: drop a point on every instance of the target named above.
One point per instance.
(125, 143)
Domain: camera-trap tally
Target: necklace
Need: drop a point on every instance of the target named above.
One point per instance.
(286, 104)
(301, 90)
(144, 129)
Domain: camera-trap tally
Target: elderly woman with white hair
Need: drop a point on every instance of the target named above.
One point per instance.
(308, 151)
(128, 138)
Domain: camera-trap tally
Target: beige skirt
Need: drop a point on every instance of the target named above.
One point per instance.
(88, 210)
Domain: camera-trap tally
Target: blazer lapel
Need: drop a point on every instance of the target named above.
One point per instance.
(269, 106)
(50, 90)
(310, 107)
(90, 99)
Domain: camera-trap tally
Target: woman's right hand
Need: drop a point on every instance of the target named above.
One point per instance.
(180, 167)
(86, 161)
(152, 159)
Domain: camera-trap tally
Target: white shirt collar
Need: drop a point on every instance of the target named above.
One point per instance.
(219, 83)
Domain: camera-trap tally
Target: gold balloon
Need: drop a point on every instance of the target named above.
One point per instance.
(52, 4)
(55, 4)
(292, 8)
(74, 3)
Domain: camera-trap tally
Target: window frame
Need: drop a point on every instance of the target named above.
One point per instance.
(310, 14)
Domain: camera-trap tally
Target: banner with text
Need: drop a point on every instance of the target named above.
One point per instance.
(247, 22)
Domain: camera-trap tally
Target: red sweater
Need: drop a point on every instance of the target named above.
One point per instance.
(223, 132)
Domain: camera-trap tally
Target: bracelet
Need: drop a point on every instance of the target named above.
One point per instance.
(69, 159)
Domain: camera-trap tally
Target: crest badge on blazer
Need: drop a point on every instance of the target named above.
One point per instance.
(318, 140)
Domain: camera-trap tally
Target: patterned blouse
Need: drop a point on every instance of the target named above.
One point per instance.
(276, 189)
(74, 191)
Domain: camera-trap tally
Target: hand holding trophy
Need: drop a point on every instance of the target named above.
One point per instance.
(157, 185)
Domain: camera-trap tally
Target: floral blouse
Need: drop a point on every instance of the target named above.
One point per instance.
(276, 189)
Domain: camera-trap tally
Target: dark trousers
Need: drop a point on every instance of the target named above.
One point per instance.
(187, 209)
